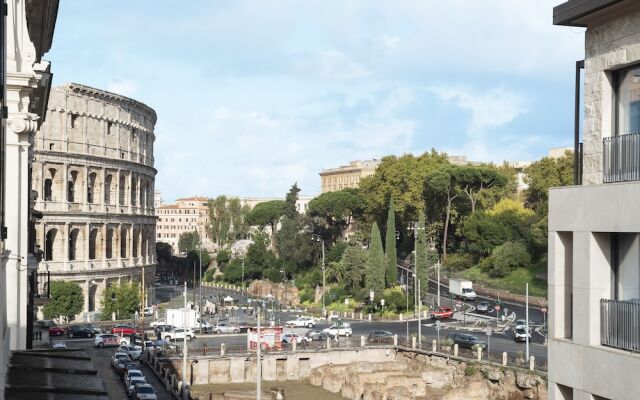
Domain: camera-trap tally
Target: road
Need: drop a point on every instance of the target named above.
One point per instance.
(101, 359)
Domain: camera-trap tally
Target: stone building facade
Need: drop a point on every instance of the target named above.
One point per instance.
(93, 180)
(594, 226)
(185, 215)
(346, 176)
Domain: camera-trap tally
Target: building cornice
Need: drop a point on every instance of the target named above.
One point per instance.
(63, 156)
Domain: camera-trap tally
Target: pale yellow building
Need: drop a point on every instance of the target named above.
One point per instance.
(185, 215)
(346, 176)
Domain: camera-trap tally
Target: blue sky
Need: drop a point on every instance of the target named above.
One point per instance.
(252, 96)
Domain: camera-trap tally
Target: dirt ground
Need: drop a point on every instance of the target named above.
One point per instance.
(293, 390)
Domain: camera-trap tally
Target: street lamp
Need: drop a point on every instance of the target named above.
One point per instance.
(414, 227)
(318, 238)
(433, 249)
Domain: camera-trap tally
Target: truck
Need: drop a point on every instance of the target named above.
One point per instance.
(462, 288)
(190, 318)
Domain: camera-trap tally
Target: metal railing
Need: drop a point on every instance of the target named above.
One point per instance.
(620, 324)
(621, 158)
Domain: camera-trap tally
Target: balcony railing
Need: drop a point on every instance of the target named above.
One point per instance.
(621, 158)
(620, 324)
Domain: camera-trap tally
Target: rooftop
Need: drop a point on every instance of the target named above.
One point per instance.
(575, 12)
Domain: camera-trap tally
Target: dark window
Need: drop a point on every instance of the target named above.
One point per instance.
(48, 183)
(627, 107)
(74, 117)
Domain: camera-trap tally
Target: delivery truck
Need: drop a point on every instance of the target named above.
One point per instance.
(462, 288)
(190, 318)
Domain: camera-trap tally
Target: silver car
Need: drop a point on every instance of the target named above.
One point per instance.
(225, 327)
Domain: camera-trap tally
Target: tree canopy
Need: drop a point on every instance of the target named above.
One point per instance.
(188, 241)
(66, 301)
(123, 300)
(266, 214)
(391, 255)
(375, 277)
(545, 173)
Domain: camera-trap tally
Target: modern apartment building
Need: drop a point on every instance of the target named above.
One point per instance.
(594, 226)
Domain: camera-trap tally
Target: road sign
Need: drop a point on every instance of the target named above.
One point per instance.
(497, 307)
(438, 325)
(489, 331)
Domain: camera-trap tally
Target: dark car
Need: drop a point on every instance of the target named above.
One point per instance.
(466, 341)
(79, 331)
(381, 337)
(96, 330)
(318, 335)
(163, 328)
(483, 307)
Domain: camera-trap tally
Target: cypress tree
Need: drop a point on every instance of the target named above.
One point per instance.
(376, 263)
(421, 255)
(391, 256)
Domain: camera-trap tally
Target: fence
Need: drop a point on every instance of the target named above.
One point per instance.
(621, 158)
(620, 324)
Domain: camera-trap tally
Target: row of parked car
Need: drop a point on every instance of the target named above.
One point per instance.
(124, 364)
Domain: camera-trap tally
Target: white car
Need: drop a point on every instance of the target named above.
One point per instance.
(179, 334)
(301, 322)
(131, 383)
(290, 337)
(58, 345)
(118, 355)
(521, 334)
(134, 351)
(144, 392)
(148, 311)
(339, 330)
(131, 373)
(157, 322)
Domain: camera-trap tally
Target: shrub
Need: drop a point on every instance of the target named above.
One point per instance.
(395, 299)
(459, 262)
(506, 258)
(307, 295)
(470, 370)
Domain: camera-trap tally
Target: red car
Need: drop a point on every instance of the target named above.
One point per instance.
(123, 330)
(56, 331)
(442, 313)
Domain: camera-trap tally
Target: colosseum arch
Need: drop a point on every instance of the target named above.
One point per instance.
(110, 243)
(123, 189)
(53, 245)
(134, 191)
(108, 187)
(123, 242)
(93, 188)
(136, 243)
(144, 188)
(76, 248)
(51, 185)
(144, 244)
(95, 244)
(72, 183)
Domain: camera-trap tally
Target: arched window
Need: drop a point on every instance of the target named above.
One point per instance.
(110, 239)
(136, 242)
(92, 189)
(49, 244)
(133, 191)
(73, 241)
(123, 243)
(123, 189)
(107, 189)
(48, 192)
(71, 186)
(94, 243)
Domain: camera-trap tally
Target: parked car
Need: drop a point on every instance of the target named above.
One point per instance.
(148, 311)
(483, 307)
(521, 334)
(131, 384)
(56, 331)
(59, 345)
(95, 329)
(339, 329)
(157, 322)
(225, 327)
(144, 392)
(133, 351)
(380, 337)
(132, 373)
(163, 328)
(301, 322)
(179, 334)
(79, 331)
(290, 337)
(44, 324)
(108, 339)
(465, 340)
(318, 335)
(442, 313)
(123, 366)
(124, 329)
(118, 355)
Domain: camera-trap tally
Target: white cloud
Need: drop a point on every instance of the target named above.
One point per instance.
(330, 64)
(489, 109)
(390, 41)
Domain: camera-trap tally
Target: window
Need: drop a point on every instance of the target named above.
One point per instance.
(74, 117)
(109, 124)
(48, 193)
(627, 107)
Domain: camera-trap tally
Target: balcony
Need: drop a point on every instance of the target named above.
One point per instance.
(621, 158)
(620, 324)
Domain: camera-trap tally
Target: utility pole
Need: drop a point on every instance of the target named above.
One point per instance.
(184, 343)
(317, 238)
(143, 304)
(438, 283)
(258, 360)
(406, 289)
(527, 316)
(419, 317)
(200, 286)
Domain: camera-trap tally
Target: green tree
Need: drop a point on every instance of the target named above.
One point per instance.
(220, 219)
(375, 276)
(66, 301)
(223, 257)
(545, 173)
(188, 241)
(477, 180)
(354, 264)
(337, 210)
(290, 210)
(123, 300)
(506, 258)
(164, 252)
(391, 255)
(421, 259)
(268, 214)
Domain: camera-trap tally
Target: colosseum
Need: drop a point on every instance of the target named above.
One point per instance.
(93, 181)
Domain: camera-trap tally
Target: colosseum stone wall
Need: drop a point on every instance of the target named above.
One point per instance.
(93, 180)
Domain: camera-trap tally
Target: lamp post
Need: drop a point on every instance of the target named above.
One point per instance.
(414, 227)
(318, 238)
(200, 283)
(184, 344)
